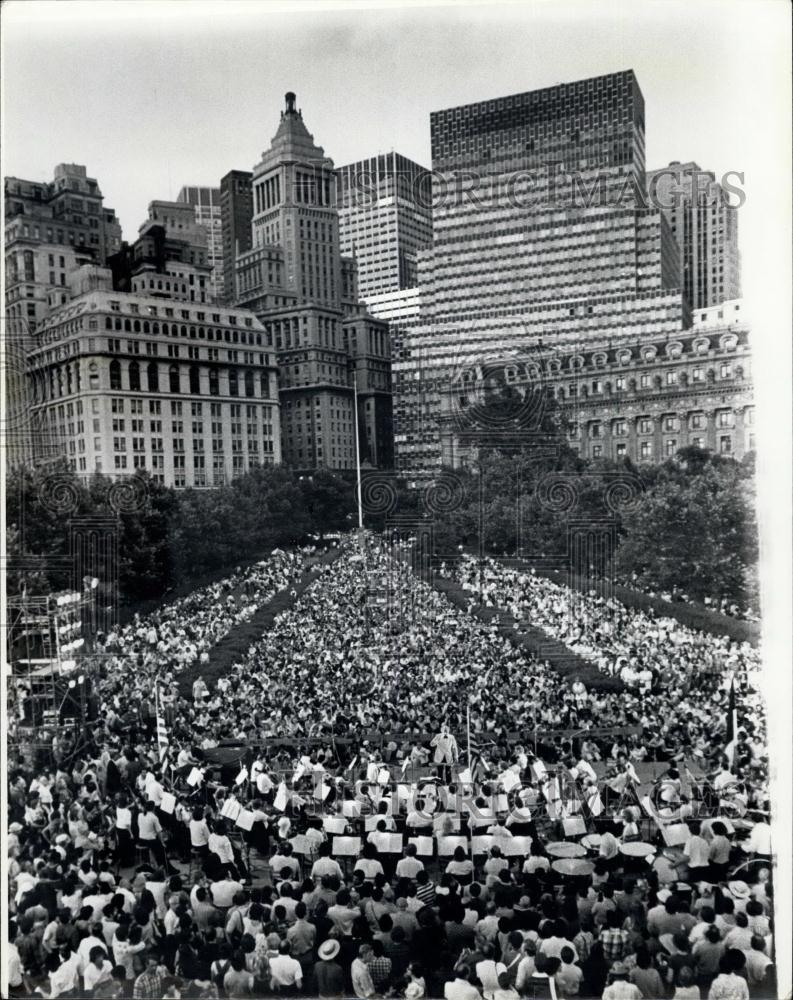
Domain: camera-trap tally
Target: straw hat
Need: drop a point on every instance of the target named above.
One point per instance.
(739, 889)
(329, 949)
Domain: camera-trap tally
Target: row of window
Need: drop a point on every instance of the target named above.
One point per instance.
(134, 379)
(671, 422)
(671, 447)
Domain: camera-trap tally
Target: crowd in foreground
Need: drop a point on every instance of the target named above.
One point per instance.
(115, 893)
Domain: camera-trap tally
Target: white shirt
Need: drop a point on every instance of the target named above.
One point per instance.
(220, 845)
(759, 840)
(84, 950)
(409, 867)
(148, 826)
(93, 975)
(697, 850)
(285, 970)
(461, 989)
(326, 866)
(65, 978)
(487, 972)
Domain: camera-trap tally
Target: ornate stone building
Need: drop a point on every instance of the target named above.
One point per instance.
(121, 381)
(643, 400)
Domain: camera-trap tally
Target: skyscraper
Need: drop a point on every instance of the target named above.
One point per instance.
(52, 227)
(385, 218)
(333, 358)
(705, 225)
(236, 217)
(205, 202)
(540, 233)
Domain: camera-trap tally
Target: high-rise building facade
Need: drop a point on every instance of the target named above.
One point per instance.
(385, 219)
(236, 218)
(705, 225)
(179, 222)
(205, 202)
(129, 380)
(333, 358)
(162, 265)
(52, 227)
(541, 232)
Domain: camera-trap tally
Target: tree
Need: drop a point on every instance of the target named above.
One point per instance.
(39, 503)
(329, 500)
(695, 531)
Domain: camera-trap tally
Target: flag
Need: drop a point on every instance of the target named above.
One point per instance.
(732, 725)
(162, 729)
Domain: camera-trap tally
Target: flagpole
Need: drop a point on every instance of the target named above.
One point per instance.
(468, 732)
(470, 768)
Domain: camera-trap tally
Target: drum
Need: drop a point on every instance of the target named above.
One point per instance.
(636, 849)
(564, 849)
(573, 867)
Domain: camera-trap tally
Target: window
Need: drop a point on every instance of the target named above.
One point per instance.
(597, 450)
(725, 370)
(725, 418)
(646, 449)
(195, 380)
(645, 381)
(173, 378)
(698, 375)
(595, 430)
(620, 428)
(671, 447)
(621, 450)
(670, 423)
(725, 444)
(153, 377)
(645, 425)
(619, 383)
(134, 376)
(671, 378)
(214, 382)
(248, 383)
(115, 375)
(234, 388)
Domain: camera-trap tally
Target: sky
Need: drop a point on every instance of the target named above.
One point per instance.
(155, 95)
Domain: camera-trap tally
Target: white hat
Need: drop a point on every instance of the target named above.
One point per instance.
(739, 889)
(329, 949)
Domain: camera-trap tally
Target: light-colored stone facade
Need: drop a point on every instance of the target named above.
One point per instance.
(122, 381)
(643, 400)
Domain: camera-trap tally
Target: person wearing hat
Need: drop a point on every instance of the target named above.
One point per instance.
(740, 892)
(620, 988)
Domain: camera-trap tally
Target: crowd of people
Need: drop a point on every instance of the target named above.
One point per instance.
(603, 630)
(343, 738)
